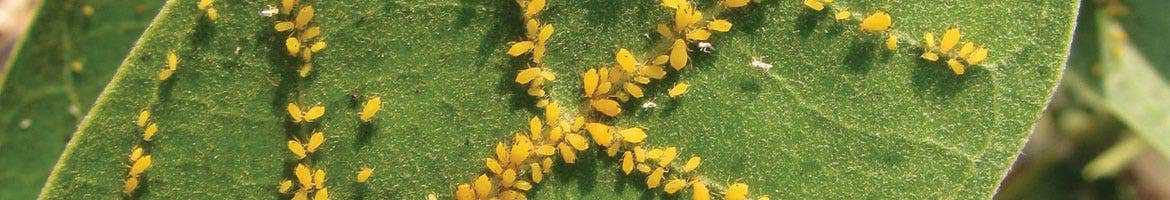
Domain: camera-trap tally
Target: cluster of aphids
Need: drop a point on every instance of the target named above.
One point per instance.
(535, 75)
(212, 13)
(934, 49)
(303, 38)
(140, 160)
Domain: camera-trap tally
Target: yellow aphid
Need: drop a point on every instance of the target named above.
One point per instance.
(301, 195)
(655, 71)
(372, 106)
(212, 14)
(590, 81)
(432, 196)
(577, 141)
(719, 25)
(317, 46)
(957, 67)
(672, 3)
(699, 191)
(612, 151)
(678, 89)
(130, 185)
(930, 41)
(136, 154)
(532, 28)
(931, 56)
(527, 75)
(305, 69)
(673, 186)
(304, 176)
(633, 89)
(765, 197)
(978, 56)
(816, 5)
(296, 148)
(535, 170)
(293, 45)
(520, 149)
(286, 6)
(520, 48)
(494, 166)
(482, 186)
(655, 178)
(626, 60)
(601, 133)
(643, 167)
(879, 21)
(534, 126)
(502, 153)
(148, 134)
(319, 178)
(283, 26)
(552, 113)
(678, 54)
(667, 156)
(606, 106)
(165, 74)
(546, 150)
(140, 166)
(533, 7)
(315, 141)
(737, 191)
(698, 35)
(322, 194)
(686, 16)
(567, 153)
(949, 40)
(966, 50)
(843, 15)
(633, 135)
(508, 177)
(892, 42)
(523, 185)
(546, 32)
(464, 192)
(143, 117)
(307, 116)
(692, 164)
(627, 162)
(304, 16)
(285, 186)
(311, 33)
(203, 4)
(172, 65)
(87, 10)
(639, 154)
(735, 3)
(555, 134)
(77, 66)
(664, 31)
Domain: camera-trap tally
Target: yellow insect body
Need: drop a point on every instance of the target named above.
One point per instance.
(737, 191)
(735, 3)
(464, 192)
(285, 186)
(130, 185)
(534, 7)
(520, 48)
(606, 106)
(212, 14)
(483, 186)
(626, 60)
(319, 179)
(172, 65)
(204, 4)
(700, 191)
(892, 42)
(283, 26)
(567, 153)
(949, 40)
(686, 16)
(692, 164)
(527, 75)
(678, 54)
(878, 22)
(315, 141)
(957, 67)
(698, 35)
(148, 134)
(667, 156)
(494, 166)
(720, 25)
(655, 178)
(136, 154)
(306, 116)
(966, 50)
(577, 141)
(633, 89)
(317, 46)
(930, 41)
(843, 15)
(627, 162)
(372, 106)
(601, 133)
(508, 177)
(633, 135)
(552, 113)
(590, 80)
(293, 45)
(140, 166)
(304, 16)
(304, 176)
(816, 5)
(535, 170)
(301, 195)
(143, 117)
(673, 186)
(931, 56)
(322, 194)
(678, 89)
(297, 149)
(978, 56)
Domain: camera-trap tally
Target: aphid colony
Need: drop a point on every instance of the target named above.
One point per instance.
(536, 41)
(140, 160)
(170, 68)
(205, 5)
(934, 50)
(308, 180)
(303, 40)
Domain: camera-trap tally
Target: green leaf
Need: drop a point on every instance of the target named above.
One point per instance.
(838, 117)
(42, 97)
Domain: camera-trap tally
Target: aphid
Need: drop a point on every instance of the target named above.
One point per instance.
(483, 186)
(601, 133)
(892, 42)
(204, 4)
(667, 156)
(735, 3)
(692, 164)
(567, 153)
(649, 105)
(307, 116)
(293, 45)
(816, 5)
(685, 16)
(535, 170)
(698, 35)
(172, 65)
(547, 164)
(269, 11)
(143, 117)
(737, 191)
(758, 62)
(494, 166)
(627, 162)
(552, 113)
(625, 59)
(305, 69)
(464, 192)
(317, 46)
(140, 166)
(502, 153)
(282, 26)
(533, 7)
(606, 106)
(319, 179)
(678, 89)
(699, 191)
(949, 40)
(520, 48)
(372, 106)
(719, 25)
(930, 41)
(285, 186)
(978, 56)
(323, 193)
(678, 54)
(877, 22)
(966, 49)
(577, 141)
(212, 14)
(706, 47)
(673, 186)
(523, 185)
(633, 135)
(315, 141)
(136, 154)
(508, 178)
(655, 178)
(77, 66)
(297, 149)
(633, 89)
(130, 185)
(304, 16)
(590, 80)
(304, 176)
(301, 195)
(432, 196)
(957, 67)
(931, 56)
(520, 149)
(148, 134)
(843, 15)
(87, 10)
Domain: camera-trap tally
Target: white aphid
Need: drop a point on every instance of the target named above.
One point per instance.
(649, 105)
(25, 123)
(706, 47)
(269, 11)
(758, 62)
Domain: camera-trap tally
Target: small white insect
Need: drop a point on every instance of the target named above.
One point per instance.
(238, 50)
(73, 110)
(706, 47)
(270, 11)
(25, 123)
(648, 105)
(758, 62)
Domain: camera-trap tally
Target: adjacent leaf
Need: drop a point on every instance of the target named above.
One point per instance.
(43, 96)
